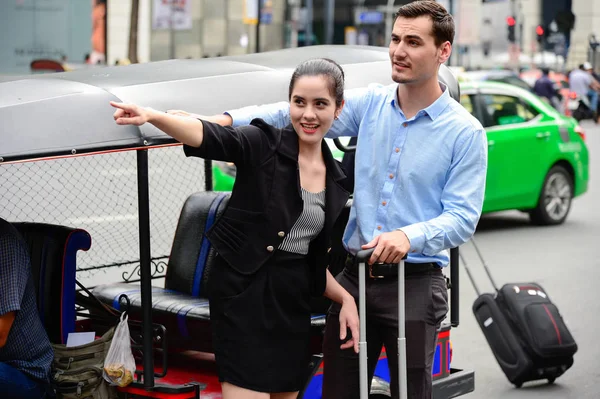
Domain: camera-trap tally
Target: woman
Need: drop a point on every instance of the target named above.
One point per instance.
(273, 237)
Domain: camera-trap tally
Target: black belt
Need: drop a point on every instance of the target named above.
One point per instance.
(390, 270)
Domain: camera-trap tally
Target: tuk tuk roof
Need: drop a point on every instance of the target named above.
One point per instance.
(68, 113)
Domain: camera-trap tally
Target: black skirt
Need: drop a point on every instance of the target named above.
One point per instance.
(261, 324)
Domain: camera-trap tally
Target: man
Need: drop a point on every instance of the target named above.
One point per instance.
(487, 35)
(421, 163)
(585, 86)
(546, 88)
(25, 351)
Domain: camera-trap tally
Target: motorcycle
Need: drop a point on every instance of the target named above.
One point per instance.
(579, 107)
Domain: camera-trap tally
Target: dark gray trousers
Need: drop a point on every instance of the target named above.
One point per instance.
(426, 307)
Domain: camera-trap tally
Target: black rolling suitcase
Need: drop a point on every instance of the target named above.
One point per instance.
(524, 330)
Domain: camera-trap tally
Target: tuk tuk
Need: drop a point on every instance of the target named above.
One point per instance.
(121, 210)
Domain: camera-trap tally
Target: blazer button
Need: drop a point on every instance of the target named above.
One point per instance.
(281, 234)
(270, 248)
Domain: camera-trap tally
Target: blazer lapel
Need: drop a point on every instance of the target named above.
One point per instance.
(335, 195)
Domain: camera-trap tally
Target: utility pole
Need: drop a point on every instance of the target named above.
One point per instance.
(171, 32)
(309, 23)
(294, 8)
(451, 12)
(389, 18)
(258, 14)
(132, 54)
(330, 17)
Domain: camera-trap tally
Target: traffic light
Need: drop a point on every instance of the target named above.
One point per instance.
(511, 23)
(539, 31)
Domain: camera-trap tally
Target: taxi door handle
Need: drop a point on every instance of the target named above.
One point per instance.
(491, 143)
(542, 135)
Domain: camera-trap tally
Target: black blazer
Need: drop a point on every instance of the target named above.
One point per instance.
(266, 199)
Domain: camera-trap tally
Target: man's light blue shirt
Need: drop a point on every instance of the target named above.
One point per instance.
(580, 81)
(424, 175)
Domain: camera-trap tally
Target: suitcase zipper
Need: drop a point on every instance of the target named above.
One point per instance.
(553, 323)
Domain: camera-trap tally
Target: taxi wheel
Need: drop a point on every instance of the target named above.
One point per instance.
(555, 199)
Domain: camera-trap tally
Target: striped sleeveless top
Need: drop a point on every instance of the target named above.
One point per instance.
(309, 224)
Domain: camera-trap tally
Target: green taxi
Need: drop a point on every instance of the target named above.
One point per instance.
(537, 157)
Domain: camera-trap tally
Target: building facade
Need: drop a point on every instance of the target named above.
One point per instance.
(211, 28)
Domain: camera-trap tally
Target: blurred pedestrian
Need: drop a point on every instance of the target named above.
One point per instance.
(586, 87)
(546, 88)
(487, 35)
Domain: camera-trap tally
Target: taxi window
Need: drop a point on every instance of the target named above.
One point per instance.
(507, 110)
(466, 101)
(513, 80)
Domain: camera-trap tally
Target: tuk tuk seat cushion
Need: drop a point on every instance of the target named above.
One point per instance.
(191, 256)
(187, 318)
(53, 252)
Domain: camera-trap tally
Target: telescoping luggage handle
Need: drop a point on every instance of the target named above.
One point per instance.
(485, 266)
(362, 257)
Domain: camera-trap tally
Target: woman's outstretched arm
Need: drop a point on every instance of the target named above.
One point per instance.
(186, 130)
(220, 119)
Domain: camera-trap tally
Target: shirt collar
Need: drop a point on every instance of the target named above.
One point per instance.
(435, 109)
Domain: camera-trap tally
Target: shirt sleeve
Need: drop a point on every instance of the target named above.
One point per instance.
(276, 114)
(348, 122)
(245, 145)
(14, 272)
(462, 200)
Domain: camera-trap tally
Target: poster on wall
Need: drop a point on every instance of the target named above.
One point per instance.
(172, 14)
(59, 31)
(251, 12)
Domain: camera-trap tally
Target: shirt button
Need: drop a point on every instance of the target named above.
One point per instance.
(281, 234)
(404, 124)
(397, 149)
(384, 203)
(391, 176)
(378, 227)
(270, 248)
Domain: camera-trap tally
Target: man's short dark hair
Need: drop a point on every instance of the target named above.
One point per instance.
(545, 70)
(443, 23)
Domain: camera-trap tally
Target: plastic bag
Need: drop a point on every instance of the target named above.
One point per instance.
(119, 365)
